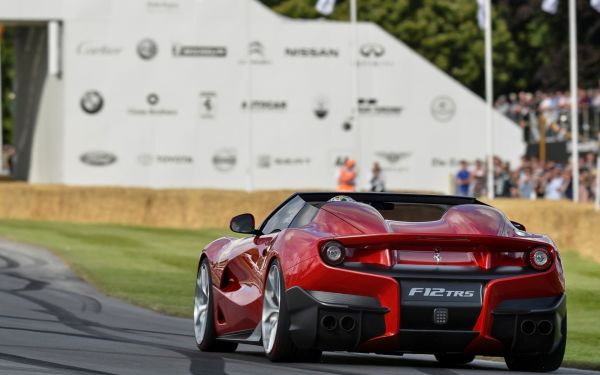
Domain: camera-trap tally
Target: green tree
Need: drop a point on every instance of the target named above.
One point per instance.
(445, 32)
(8, 74)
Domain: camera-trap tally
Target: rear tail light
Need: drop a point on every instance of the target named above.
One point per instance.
(539, 258)
(333, 253)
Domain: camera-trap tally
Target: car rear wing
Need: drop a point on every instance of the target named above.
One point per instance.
(449, 242)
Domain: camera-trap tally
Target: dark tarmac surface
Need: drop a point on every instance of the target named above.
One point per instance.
(51, 322)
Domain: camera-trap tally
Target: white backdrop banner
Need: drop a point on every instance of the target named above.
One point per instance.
(227, 94)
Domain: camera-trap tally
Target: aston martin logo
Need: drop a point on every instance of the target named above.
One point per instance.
(437, 256)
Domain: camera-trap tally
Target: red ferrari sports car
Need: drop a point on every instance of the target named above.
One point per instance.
(384, 273)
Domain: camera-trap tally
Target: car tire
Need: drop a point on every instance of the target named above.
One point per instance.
(453, 359)
(204, 314)
(540, 363)
(275, 322)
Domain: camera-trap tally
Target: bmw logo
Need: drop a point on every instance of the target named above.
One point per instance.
(147, 49)
(92, 102)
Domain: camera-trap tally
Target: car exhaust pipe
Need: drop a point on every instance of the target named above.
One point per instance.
(528, 327)
(348, 323)
(329, 322)
(545, 327)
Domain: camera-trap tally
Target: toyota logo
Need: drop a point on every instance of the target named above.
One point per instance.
(372, 50)
(92, 102)
(147, 49)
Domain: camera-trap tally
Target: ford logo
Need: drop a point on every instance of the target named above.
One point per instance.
(98, 158)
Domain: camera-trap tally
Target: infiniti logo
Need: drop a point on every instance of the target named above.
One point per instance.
(92, 102)
(372, 50)
(256, 48)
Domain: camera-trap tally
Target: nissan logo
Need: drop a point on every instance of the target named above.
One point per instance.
(92, 102)
(372, 50)
(147, 49)
(98, 158)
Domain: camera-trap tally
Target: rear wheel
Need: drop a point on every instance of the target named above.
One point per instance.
(275, 323)
(204, 316)
(454, 358)
(540, 363)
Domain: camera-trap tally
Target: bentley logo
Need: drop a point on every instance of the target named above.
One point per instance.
(437, 256)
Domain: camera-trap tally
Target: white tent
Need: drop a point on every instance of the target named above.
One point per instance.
(227, 94)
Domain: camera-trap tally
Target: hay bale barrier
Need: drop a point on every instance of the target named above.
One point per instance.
(572, 226)
(168, 208)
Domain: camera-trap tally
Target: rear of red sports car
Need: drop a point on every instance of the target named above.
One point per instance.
(389, 278)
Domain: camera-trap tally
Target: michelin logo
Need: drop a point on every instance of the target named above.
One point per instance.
(440, 292)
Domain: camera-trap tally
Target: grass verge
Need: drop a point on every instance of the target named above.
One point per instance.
(155, 268)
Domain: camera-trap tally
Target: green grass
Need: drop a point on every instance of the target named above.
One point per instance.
(156, 268)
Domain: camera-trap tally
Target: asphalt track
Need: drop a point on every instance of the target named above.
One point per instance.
(51, 322)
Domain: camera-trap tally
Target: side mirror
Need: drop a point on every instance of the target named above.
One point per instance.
(519, 226)
(243, 223)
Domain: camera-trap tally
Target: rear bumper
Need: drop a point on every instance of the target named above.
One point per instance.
(385, 323)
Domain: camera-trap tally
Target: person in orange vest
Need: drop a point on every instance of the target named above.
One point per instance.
(347, 176)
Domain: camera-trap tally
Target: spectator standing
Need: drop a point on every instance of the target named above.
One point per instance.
(376, 182)
(463, 179)
(554, 185)
(347, 176)
(479, 179)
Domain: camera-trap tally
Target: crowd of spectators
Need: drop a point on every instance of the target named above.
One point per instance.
(531, 179)
(553, 108)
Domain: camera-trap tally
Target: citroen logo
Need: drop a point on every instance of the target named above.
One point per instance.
(437, 256)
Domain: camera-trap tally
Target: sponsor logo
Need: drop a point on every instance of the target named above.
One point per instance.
(372, 50)
(91, 102)
(180, 50)
(264, 105)
(256, 54)
(147, 49)
(312, 52)
(393, 161)
(148, 159)
(98, 158)
(393, 157)
(371, 106)
(92, 49)
(208, 104)
(443, 108)
(321, 109)
(152, 99)
(267, 161)
(162, 6)
(153, 109)
(373, 54)
(225, 160)
(441, 292)
(256, 49)
(440, 162)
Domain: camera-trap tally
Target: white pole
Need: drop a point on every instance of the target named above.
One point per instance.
(1, 106)
(598, 181)
(54, 48)
(489, 96)
(251, 161)
(574, 103)
(354, 87)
